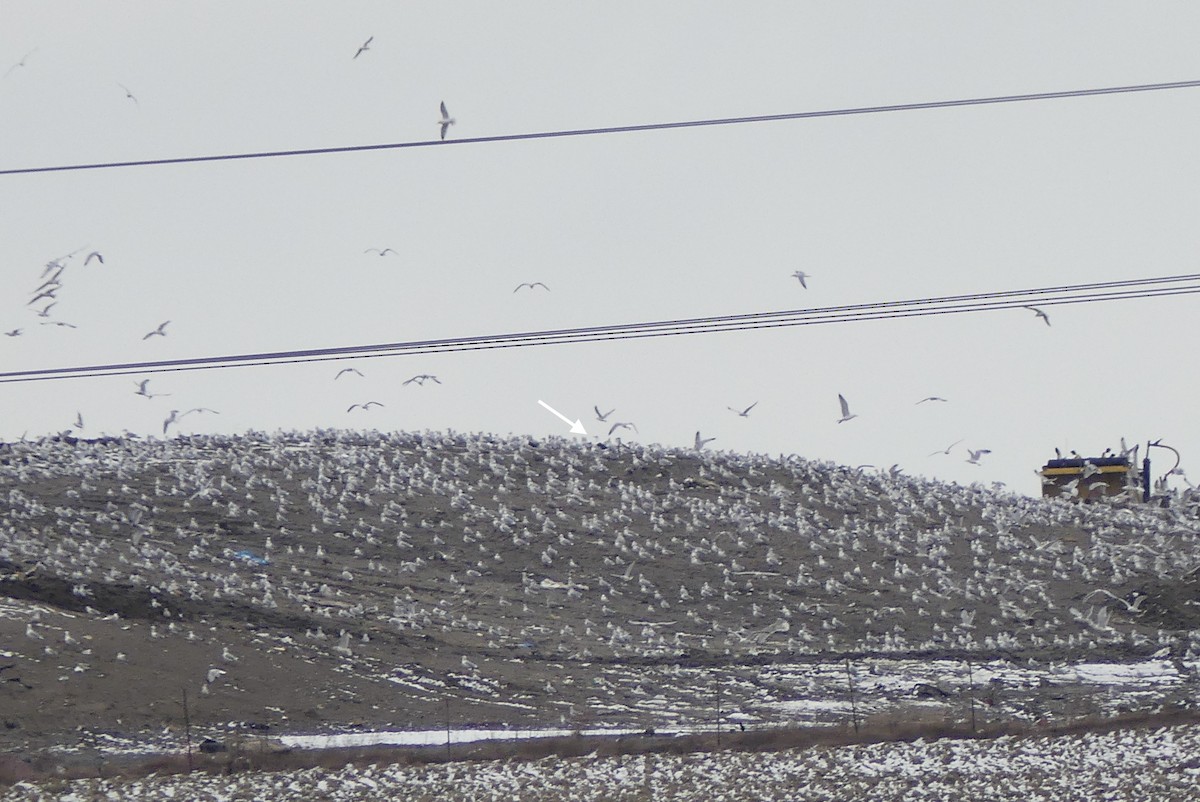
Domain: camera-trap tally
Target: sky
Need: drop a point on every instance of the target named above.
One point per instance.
(269, 254)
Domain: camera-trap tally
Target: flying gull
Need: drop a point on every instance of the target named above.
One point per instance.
(46, 312)
(603, 416)
(700, 442)
(975, 455)
(621, 425)
(802, 277)
(531, 285)
(745, 413)
(13, 333)
(93, 255)
(947, 449)
(380, 251)
(159, 331)
(930, 398)
(347, 370)
(1039, 313)
(421, 378)
(363, 407)
(78, 420)
(129, 95)
(143, 390)
(20, 63)
(60, 323)
(845, 409)
(446, 120)
(363, 48)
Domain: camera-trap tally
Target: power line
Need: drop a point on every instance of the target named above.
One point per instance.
(620, 129)
(886, 310)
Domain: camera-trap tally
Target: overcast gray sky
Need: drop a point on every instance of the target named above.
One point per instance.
(246, 256)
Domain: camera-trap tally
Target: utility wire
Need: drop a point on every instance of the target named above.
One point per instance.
(620, 129)
(888, 310)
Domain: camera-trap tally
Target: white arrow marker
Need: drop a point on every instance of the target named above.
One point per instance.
(576, 425)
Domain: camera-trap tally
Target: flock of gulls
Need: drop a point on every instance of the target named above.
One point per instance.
(501, 567)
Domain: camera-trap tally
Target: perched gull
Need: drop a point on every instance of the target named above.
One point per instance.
(929, 398)
(532, 284)
(380, 251)
(745, 413)
(603, 416)
(363, 48)
(363, 407)
(421, 378)
(1039, 313)
(347, 370)
(700, 442)
(803, 278)
(446, 120)
(845, 409)
(159, 331)
(621, 425)
(947, 449)
(975, 455)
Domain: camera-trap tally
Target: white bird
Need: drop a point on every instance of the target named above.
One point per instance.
(1039, 313)
(947, 449)
(929, 398)
(228, 656)
(130, 96)
(381, 252)
(78, 420)
(421, 378)
(365, 407)
(468, 665)
(621, 425)
(143, 391)
(355, 371)
(96, 254)
(343, 644)
(603, 416)
(845, 409)
(700, 442)
(214, 674)
(975, 455)
(446, 120)
(745, 413)
(803, 278)
(20, 63)
(159, 331)
(13, 333)
(364, 47)
(531, 285)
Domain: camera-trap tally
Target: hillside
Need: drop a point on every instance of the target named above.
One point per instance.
(333, 580)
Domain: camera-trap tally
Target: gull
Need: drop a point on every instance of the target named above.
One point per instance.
(46, 312)
(60, 323)
(700, 442)
(929, 398)
(745, 413)
(78, 420)
(364, 407)
(1133, 607)
(215, 674)
(93, 255)
(421, 378)
(43, 294)
(143, 391)
(159, 331)
(1039, 313)
(603, 416)
(355, 371)
(803, 278)
(947, 449)
(363, 48)
(468, 665)
(13, 333)
(129, 95)
(621, 425)
(975, 455)
(199, 409)
(446, 120)
(845, 409)
(172, 417)
(381, 252)
(532, 284)
(20, 63)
